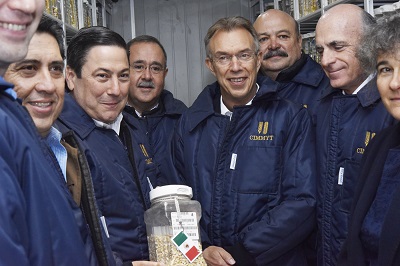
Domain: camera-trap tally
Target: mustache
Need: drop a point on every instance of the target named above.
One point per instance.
(272, 53)
(146, 84)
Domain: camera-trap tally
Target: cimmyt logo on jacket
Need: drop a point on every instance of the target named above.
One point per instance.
(368, 136)
(262, 130)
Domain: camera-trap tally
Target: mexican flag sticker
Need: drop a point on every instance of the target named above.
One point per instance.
(185, 245)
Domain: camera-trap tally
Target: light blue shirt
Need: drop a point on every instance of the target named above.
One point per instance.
(53, 140)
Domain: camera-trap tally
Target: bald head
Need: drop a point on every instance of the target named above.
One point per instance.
(280, 41)
(347, 18)
(338, 36)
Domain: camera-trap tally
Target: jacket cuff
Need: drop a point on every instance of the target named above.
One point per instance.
(241, 255)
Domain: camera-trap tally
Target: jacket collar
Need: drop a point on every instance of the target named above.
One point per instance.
(206, 103)
(75, 118)
(4, 84)
(304, 71)
(367, 96)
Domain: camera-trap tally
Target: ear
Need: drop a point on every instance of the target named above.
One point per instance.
(210, 65)
(70, 78)
(165, 72)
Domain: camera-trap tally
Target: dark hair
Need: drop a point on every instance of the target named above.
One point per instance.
(85, 40)
(384, 37)
(53, 28)
(146, 39)
(229, 24)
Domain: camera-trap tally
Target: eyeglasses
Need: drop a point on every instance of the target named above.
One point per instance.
(154, 69)
(226, 59)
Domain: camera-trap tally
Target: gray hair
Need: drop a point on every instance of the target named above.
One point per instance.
(384, 38)
(229, 24)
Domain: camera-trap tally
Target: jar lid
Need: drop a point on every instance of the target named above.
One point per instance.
(171, 190)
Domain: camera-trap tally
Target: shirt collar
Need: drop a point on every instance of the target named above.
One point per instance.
(225, 110)
(369, 78)
(116, 125)
(53, 139)
(140, 115)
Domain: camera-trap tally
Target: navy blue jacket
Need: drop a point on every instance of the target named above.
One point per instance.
(158, 126)
(40, 224)
(345, 126)
(120, 184)
(303, 83)
(254, 175)
(374, 163)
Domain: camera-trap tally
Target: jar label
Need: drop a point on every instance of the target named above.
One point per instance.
(187, 222)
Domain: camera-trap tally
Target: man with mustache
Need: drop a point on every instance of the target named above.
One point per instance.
(349, 115)
(155, 108)
(283, 60)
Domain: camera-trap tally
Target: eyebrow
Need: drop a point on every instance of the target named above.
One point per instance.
(27, 61)
(384, 62)
(143, 62)
(241, 51)
(334, 43)
(36, 62)
(277, 32)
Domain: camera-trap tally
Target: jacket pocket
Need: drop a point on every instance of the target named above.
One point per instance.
(350, 175)
(257, 170)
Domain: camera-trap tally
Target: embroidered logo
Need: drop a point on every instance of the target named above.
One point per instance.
(368, 137)
(148, 160)
(262, 130)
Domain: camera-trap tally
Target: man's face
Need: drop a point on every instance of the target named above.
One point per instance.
(280, 45)
(236, 79)
(337, 42)
(388, 81)
(103, 87)
(18, 22)
(146, 85)
(39, 81)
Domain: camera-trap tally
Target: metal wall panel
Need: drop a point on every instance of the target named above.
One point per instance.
(180, 25)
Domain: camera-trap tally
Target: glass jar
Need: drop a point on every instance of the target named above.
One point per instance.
(172, 224)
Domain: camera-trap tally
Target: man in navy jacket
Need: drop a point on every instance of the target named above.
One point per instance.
(249, 157)
(283, 60)
(97, 75)
(349, 116)
(155, 108)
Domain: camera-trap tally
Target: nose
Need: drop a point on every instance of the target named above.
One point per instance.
(327, 58)
(114, 88)
(273, 43)
(146, 75)
(46, 83)
(395, 82)
(26, 6)
(235, 64)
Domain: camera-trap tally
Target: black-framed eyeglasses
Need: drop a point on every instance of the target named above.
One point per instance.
(154, 69)
(226, 59)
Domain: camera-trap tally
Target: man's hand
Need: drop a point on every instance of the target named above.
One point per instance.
(147, 263)
(216, 256)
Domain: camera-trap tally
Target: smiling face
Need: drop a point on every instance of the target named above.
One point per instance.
(18, 22)
(103, 87)
(146, 87)
(388, 80)
(237, 79)
(39, 81)
(280, 44)
(337, 37)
